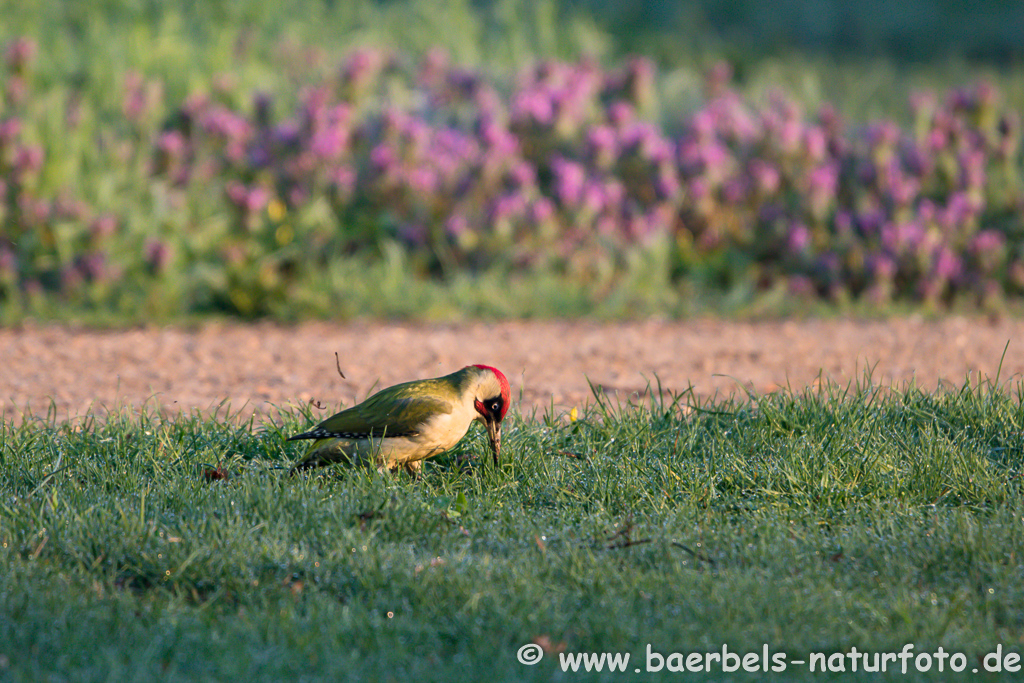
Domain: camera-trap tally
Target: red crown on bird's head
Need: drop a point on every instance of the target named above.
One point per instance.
(506, 391)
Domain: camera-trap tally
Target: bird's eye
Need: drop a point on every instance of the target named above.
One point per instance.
(495, 407)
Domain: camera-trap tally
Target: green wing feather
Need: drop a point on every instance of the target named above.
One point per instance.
(400, 410)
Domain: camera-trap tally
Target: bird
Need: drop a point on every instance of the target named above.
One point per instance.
(404, 424)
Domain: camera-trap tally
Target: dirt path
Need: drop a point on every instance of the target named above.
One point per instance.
(253, 366)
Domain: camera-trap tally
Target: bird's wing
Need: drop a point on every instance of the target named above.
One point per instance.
(384, 414)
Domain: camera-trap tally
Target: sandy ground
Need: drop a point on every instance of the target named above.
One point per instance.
(257, 367)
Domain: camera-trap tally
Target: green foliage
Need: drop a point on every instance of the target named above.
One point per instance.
(814, 521)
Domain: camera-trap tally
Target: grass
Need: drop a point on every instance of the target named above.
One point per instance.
(812, 521)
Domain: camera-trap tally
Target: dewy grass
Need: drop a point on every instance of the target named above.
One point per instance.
(818, 521)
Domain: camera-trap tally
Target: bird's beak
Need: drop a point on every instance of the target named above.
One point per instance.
(494, 434)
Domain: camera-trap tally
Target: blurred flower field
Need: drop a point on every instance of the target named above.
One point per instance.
(245, 202)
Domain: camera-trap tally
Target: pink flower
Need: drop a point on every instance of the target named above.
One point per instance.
(171, 143)
(766, 176)
(28, 158)
(799, 238)
(10, 130)
(620, 113)
(541, 210)
(20, 54)
(456, 225)
(569, 179)
(157, 255)
(344, 179)
(815, 143)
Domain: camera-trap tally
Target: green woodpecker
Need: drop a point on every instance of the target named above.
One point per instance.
(401, 425)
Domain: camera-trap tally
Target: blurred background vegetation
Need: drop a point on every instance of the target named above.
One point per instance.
(94, 226)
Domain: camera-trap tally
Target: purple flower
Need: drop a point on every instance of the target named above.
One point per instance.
(620, 113)
(960, 210)
(343, 178)
(433, 65)
(902, 238)
(413, 233)
(10, 130)
(66, 207)
(799, 238)
(937, 138)
(881, 267)
(331, 140)
(421, 179)
(541, 210)
(533, 106)
(922, 103)
(643, 139)
(800, 285)
(257, 199)
(28, 159)
(382, 156)
(92, 266)
(171, 143)
(496, 137)
(917, 160)
(926, 211)
(157, 255)
(870, 222)
(16, 90)
(946, 265)
(715, 161)
(883, 134)
(20, 54)
(972, 169)
(522, 175)
(703, 125)
(666, 184)
(362, 66)
(103, 226)
(8, 262)
(734, 190)
(717, 78)
(592, 198)
(287, 134)
(262, 105)
(507, 206)
(236, 193)
(606, 225)
(456, 225)
(904, 189)
(734, 120)
(223, 122)
(815, 143)
(461, 147)
(789, 134)
(249, 200)
(822, 183)
(988, 240)
(844, 224)
(830, 120)
(989, 250)
(140, 96)
(569, 180)
(601, 146)
(766, 177)
(297, 196)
